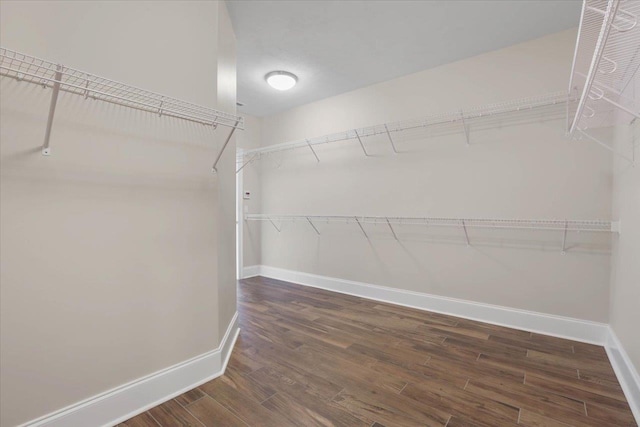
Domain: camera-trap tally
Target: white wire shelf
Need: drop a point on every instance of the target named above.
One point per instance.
(534, 224)
(23, 67)
(459, 118)
(562, 225)
(605, 66)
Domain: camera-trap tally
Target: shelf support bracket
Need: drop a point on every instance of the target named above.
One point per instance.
(361, 227)
(274, 225)
(360, 141)
(52, 109)
(466, 235)
(215, 163)
(464, 127)
(395, 236)
(390, 139)
(564, 238)
(314, 227)
(86, 88)
(312, 150)
(247, 162)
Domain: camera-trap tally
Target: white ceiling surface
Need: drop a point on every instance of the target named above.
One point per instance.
(338, 46)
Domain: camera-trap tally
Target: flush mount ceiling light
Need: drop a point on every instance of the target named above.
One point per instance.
(281, 80)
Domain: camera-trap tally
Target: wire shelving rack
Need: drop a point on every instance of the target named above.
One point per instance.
(23, 67)
(605, 66)
(459, 118)
(562, 225)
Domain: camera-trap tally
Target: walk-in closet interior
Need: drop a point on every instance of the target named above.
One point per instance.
(319, 213)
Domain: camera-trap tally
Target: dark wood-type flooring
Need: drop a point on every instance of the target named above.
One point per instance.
(308, 357)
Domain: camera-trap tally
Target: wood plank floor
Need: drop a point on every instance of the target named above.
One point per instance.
(308, 357)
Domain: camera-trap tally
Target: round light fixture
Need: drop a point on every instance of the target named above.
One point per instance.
(281, 80)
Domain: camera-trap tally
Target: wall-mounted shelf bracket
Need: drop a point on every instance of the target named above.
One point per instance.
(361, 227)
(255, 156)
(395, 236)
(312, 225)
(313, 151)
(361, 144)
(464, 127)
(274, 225)
(466, 234)
(52, 110)
(395, 151)
(215, 163)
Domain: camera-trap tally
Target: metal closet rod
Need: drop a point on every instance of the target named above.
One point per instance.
(613, 60)
(388, 129)
(47, 74)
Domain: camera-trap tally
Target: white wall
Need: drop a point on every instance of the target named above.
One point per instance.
(625, 271)
(527, 170)
(251, 235)
(110, 246)
(226, 171)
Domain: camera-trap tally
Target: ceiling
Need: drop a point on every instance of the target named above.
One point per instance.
(338, 46)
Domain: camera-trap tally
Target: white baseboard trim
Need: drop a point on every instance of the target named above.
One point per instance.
(547, 324)
(121, 403)
(251, 271)
(625, 371)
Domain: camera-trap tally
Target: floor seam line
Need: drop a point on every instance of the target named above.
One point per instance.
(190, 403)
(154, 418)
(336, 395)
(197, 419)
(268, 398)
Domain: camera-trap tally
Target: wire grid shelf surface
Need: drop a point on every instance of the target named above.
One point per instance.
(46, 73)
(431, 120)
(533, 224)
(606, 63)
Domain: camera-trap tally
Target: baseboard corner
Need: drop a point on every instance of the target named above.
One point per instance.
(128, 400)
(625, 371)
(250, 271)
